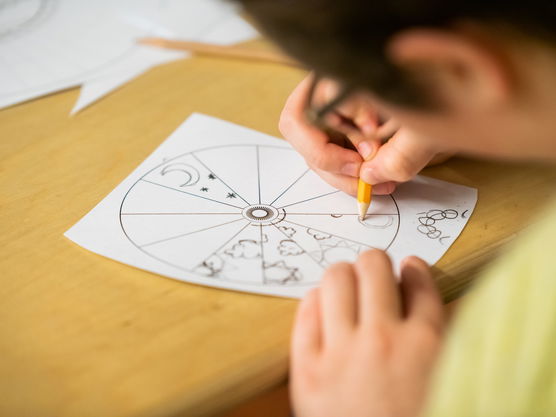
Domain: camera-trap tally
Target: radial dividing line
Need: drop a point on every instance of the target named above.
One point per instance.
(220, 179)
(331, 234)
(340, 214)
(290, 186)
(228, 241)
(175, 214)
(189, 233)
(191, 194)
(258, 174)
(302, 248)
(309, 199)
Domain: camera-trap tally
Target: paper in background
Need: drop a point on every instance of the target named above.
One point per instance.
(51, 45)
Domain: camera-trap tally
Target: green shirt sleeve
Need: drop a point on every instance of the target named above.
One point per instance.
(500, 355)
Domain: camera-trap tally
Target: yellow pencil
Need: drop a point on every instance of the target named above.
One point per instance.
(364, 190)
(231, 51)
(364, 195)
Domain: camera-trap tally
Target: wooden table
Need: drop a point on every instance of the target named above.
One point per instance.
(82, 335)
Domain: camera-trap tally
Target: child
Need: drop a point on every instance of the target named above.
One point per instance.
(466, 76)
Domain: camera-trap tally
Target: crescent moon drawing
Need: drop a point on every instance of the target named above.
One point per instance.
(189, 172)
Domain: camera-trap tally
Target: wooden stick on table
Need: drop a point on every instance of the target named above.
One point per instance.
(232, 51)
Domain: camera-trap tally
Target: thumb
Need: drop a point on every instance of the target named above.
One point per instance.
(399, 160)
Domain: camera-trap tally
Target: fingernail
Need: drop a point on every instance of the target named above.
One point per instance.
(405, 261)
(366, 149)
(369, 176)
(351, 169)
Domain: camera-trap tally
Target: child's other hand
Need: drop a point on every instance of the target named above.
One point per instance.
(399, 160)
(363, 345)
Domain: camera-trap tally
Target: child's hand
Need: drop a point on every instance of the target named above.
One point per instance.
(398, 160)
(362, 344)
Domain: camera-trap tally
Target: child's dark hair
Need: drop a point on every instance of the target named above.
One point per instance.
(346, 39)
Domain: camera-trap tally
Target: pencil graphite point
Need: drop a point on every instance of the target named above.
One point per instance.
(363, 208)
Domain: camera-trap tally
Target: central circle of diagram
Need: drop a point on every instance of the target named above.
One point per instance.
(260, 213)
(263, 214)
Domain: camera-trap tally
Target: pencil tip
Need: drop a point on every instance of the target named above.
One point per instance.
(363, 208)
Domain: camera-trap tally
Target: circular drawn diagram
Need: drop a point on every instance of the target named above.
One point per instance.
(252, 214)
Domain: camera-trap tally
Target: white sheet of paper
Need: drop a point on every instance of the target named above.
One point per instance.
(141, 60)
(210, 21)
(51, 45)
(223, 205)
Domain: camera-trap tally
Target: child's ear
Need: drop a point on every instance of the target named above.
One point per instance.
(457, 70)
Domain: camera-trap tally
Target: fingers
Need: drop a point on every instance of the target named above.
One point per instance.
(339, 302)
(341, 182)
(366, 148)
(364, 294)
(311, 142)
(386, 188)
(354, 114)
(378, 295)
(349, 184)
(399, 160)
(387, 129)
(440, 157)
(420, 296)
(306, 336)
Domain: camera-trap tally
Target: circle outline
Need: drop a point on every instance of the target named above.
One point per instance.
(224, 279)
